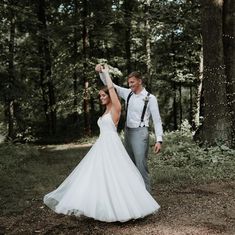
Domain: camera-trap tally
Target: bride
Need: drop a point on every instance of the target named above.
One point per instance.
(105, 185)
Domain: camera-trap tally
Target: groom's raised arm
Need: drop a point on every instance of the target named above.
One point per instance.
(122, 92)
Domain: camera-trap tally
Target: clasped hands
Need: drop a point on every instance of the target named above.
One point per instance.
(101, 68)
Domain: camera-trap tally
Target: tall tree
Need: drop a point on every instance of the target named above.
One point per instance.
(11, 69)
(86, 111)
(216, 125)
(149, 69)
(75, 59)
(128, 8)
(45, 69)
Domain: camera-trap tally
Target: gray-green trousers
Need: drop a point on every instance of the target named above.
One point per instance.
(137, 144)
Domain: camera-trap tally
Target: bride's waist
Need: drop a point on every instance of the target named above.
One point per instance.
(108, 131)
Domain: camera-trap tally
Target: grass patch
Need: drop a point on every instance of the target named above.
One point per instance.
(27, 173)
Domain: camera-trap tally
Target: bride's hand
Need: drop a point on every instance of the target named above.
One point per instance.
(105, 68)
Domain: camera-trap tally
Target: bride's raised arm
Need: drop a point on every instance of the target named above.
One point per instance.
(116, 105)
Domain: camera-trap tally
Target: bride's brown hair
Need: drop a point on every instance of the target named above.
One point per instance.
(106, 90)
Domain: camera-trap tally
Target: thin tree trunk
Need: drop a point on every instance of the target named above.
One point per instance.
(128, 5)
(175, 106)
(148, 47)
(85, 81)
(191, 106)
(11, 75)
(180, 102)
(174, 83)
(200, 100)
(49, 101)
(75, 59)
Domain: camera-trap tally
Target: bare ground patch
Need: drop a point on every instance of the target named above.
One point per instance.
(199, 209)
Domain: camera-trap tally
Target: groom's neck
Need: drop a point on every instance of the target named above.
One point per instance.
(138, 90)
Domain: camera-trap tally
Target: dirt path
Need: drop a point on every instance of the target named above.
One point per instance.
(193, 210)
(205, 209)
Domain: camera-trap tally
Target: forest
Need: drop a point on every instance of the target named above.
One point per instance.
(49, 106)
(48, 87)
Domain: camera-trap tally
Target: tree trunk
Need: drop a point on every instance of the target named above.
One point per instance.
(200, 100)
(86, 111)
(180, 103)
(75, 60)
(174, 82)
(148, 48)
(191, 106)
(175, 106)
(216, 123)
(128, 6)
(11, 75)
(45, 67)
(229, 57)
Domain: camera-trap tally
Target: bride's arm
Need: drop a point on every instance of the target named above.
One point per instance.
(116, 105)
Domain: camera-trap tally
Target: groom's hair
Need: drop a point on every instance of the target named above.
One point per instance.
(135, 74)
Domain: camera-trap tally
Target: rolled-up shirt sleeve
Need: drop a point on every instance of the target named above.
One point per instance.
(154, 110)
(122, 91)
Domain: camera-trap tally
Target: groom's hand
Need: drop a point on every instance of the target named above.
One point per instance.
(157, 147)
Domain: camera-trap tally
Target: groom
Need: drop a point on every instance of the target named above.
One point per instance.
(140, 105)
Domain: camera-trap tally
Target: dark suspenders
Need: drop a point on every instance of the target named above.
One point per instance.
(127, 101)
(146, 100)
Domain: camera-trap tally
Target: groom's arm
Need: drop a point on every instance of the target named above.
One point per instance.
(155, 114)
(154, 110)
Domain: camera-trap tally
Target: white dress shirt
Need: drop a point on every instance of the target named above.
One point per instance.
(135, 109)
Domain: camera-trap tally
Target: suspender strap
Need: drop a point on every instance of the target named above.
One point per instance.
(127, 101)
(145, 107)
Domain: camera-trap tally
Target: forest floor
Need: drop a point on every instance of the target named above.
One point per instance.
(186, 209)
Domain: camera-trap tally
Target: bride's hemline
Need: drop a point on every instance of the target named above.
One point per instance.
(80, 214)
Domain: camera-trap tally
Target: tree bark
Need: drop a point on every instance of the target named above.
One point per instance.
(86, 111)
(148, 48)
(75, 60)
(180, 103)
(216, 122)
(191, 106)
(175, 106)
(45, 67)
(11, 74)
(128, 6)
(200, 99)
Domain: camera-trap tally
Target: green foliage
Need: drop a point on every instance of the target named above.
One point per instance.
(182, 160)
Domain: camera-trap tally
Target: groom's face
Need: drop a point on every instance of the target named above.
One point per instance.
(134, 83)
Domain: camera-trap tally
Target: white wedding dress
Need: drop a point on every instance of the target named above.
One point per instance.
(106, 184)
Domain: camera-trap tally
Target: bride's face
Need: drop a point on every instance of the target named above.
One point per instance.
(104, 98)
